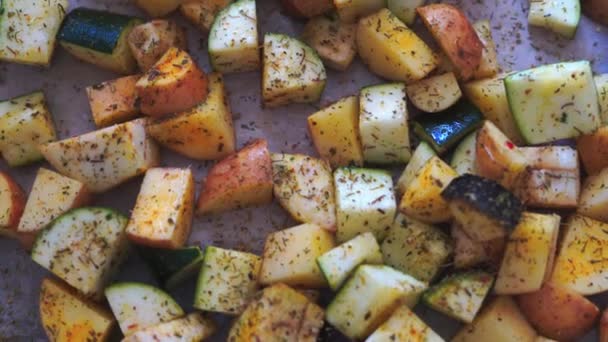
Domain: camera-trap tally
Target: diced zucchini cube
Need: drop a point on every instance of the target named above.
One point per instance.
(369, 297)
(173, 266)
(416, 248)
(227, 281)
(290, 256)
(338, 263)
(383, 124)
(25, 123)
(365, 202)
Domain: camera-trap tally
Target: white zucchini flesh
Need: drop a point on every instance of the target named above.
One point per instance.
(138, 306)
(383, 124)
(559, 16)
(552, 102)
(233, 38)
(338, 263)
(28, 29)
(83, 247)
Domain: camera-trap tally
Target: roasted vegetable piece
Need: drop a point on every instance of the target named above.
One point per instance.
(25, 123)
(593, 149)
(365, 202)
(603, 326)
(559, 16)
(12, 202)
(422, 198)
(113, 101)
(460, 296)
(242, 179)
(100, 38)
(84, 247)
(307, 8)
(579, 264)
(456, 36)
(202, 13)
(552, 102)
(150, 41)
(488, 67)
(500, 321)
(594, 197)
(174, 84)
(369, 297)
(335, 133)
(405, 10)
(52, 195)
(233, 39)
(290, 256)
(205, 132)
(529, 254)
(338, 263)
(292, 72)
(172, 266)
(162, 215)
(422, 154)
(158, 8)
(193, 327)
(104, 158)
(596, 10)
(227, 281)
(391, 50)
(434, 94)
(404, 325)
(464, 156)
(483, 208)
(469, 253)
(138, 306)
(416, 248)
(279, 313)
(334, 41)
(67, 316)
(304, 187)
(33, 30)
(558, 313)
(350, 11)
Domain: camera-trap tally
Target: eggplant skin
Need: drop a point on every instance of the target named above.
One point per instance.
(487, 197)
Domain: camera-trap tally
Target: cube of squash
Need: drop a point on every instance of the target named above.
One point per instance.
(204, 132)
(25, 123)
(67, 316)
(404, 325)
(594, 197)
(369, 297)
(391, 50)
(335, 133)
(242, 179)
(501, 321)
(334, 41)
(162, 215)
(113, 101)
(593, 149)
(174, 84)
(202, 13)
(290, 256)
(149, 42)
(12, 202)
(104, 158)
(280, 313)
(52, 195)
(422, 198)
(365, 202)
(580, 262)
(529, 255)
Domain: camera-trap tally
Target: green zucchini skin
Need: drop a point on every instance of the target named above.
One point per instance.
(486, 197)
(93, 29)
(445, 129)
(169, 264)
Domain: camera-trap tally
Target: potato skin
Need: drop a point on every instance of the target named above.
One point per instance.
(603, 327)
(306, 8)
(558, 313)
(596, 10)
(17, 202)
(149, 41)
(455, 35)
(593, 150)
(174, 84)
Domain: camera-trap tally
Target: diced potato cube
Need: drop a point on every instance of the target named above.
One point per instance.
(104, 158)
(529, 255)
(593, 149)
(149, 42)
(162, 215)
(488, 67)
(113, 101)
(335, 133)
(52, 195)
(350, 11)
(290, 256)
(193, 327)
(25, 123)
(436, 93)
(204, 132)
(12, 202)
(158, 8)
(422, 198)
(404, 325)
(365, 202)
(594, 197)
(392, 50)
(469, 253)
(202, 13)
(242, 179)
(334, 41)
(383, 124)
